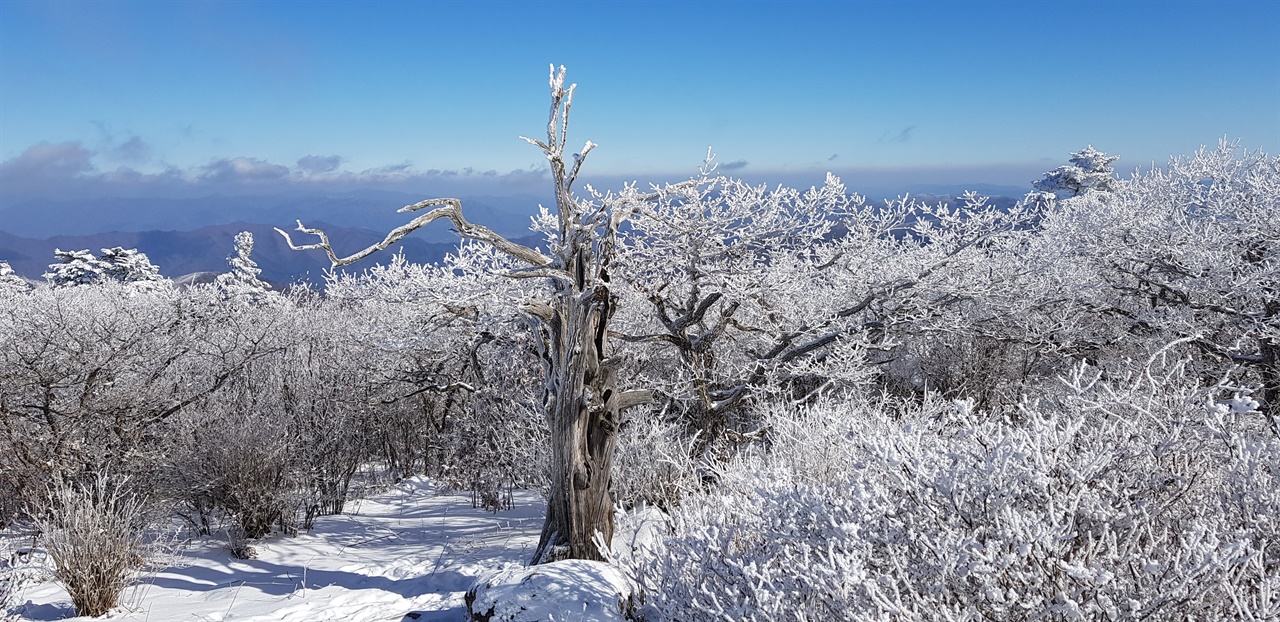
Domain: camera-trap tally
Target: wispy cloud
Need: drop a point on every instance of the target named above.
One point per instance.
(134, 151)
(903, 136)
(67, 170)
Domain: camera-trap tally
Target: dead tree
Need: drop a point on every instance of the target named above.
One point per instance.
(581, 395)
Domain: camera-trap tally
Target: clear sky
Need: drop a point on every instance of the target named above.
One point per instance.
(142, 97)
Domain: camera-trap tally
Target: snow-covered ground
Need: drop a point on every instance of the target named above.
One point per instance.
(408, 553)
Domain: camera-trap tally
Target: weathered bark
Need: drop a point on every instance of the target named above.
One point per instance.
(581, 396)
(582, 402)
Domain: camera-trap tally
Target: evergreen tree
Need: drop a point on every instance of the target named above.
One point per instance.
(1089, 170)
(75, 268)
(115, 264)
(130, 266)
(242, 280)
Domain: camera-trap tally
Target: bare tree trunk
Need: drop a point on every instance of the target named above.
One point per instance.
(582, 414)
(581, 397)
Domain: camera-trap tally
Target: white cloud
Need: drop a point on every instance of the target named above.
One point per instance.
(242, 170)
(314, 164)
(50, 160)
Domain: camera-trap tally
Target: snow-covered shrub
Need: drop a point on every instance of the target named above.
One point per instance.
(90, 375)
(1124, 499)
(93, 532)
(458, 371)
(653, 463)
(240, 464)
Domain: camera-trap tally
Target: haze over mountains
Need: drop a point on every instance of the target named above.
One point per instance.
(193, 235)
(185, 236)
(42, 217)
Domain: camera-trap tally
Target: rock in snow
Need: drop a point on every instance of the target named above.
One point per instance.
(571, 589)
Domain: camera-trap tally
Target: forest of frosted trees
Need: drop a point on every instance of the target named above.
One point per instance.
(1069, 409)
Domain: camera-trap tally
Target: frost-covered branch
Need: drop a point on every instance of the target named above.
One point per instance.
(433, 388)
(449, 208)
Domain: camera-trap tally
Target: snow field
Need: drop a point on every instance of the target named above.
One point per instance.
(413, 549)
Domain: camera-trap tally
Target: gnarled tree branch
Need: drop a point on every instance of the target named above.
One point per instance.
(449, 208)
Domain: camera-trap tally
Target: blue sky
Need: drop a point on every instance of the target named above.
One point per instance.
(163, 97)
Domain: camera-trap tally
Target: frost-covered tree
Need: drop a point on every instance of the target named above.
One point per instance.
(278, 444)
(90, 375)
(11, 282)
(1188, 251)
(75, 268)
(115, 264)
(242, 281)
(702, 260)
(1089, 170)
(582, 399)
(765, 293)
(131, 267)
(461, 367)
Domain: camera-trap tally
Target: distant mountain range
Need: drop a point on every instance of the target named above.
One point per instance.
(185, 254)
(186, 237)
(375, 209)
(192, 235)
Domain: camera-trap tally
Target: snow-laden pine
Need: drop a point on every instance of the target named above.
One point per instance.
(243, 280)
(116, 264)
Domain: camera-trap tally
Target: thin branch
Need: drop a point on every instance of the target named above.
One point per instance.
(652, 338)
(536, 143)
(434, 388)
(578, 159)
